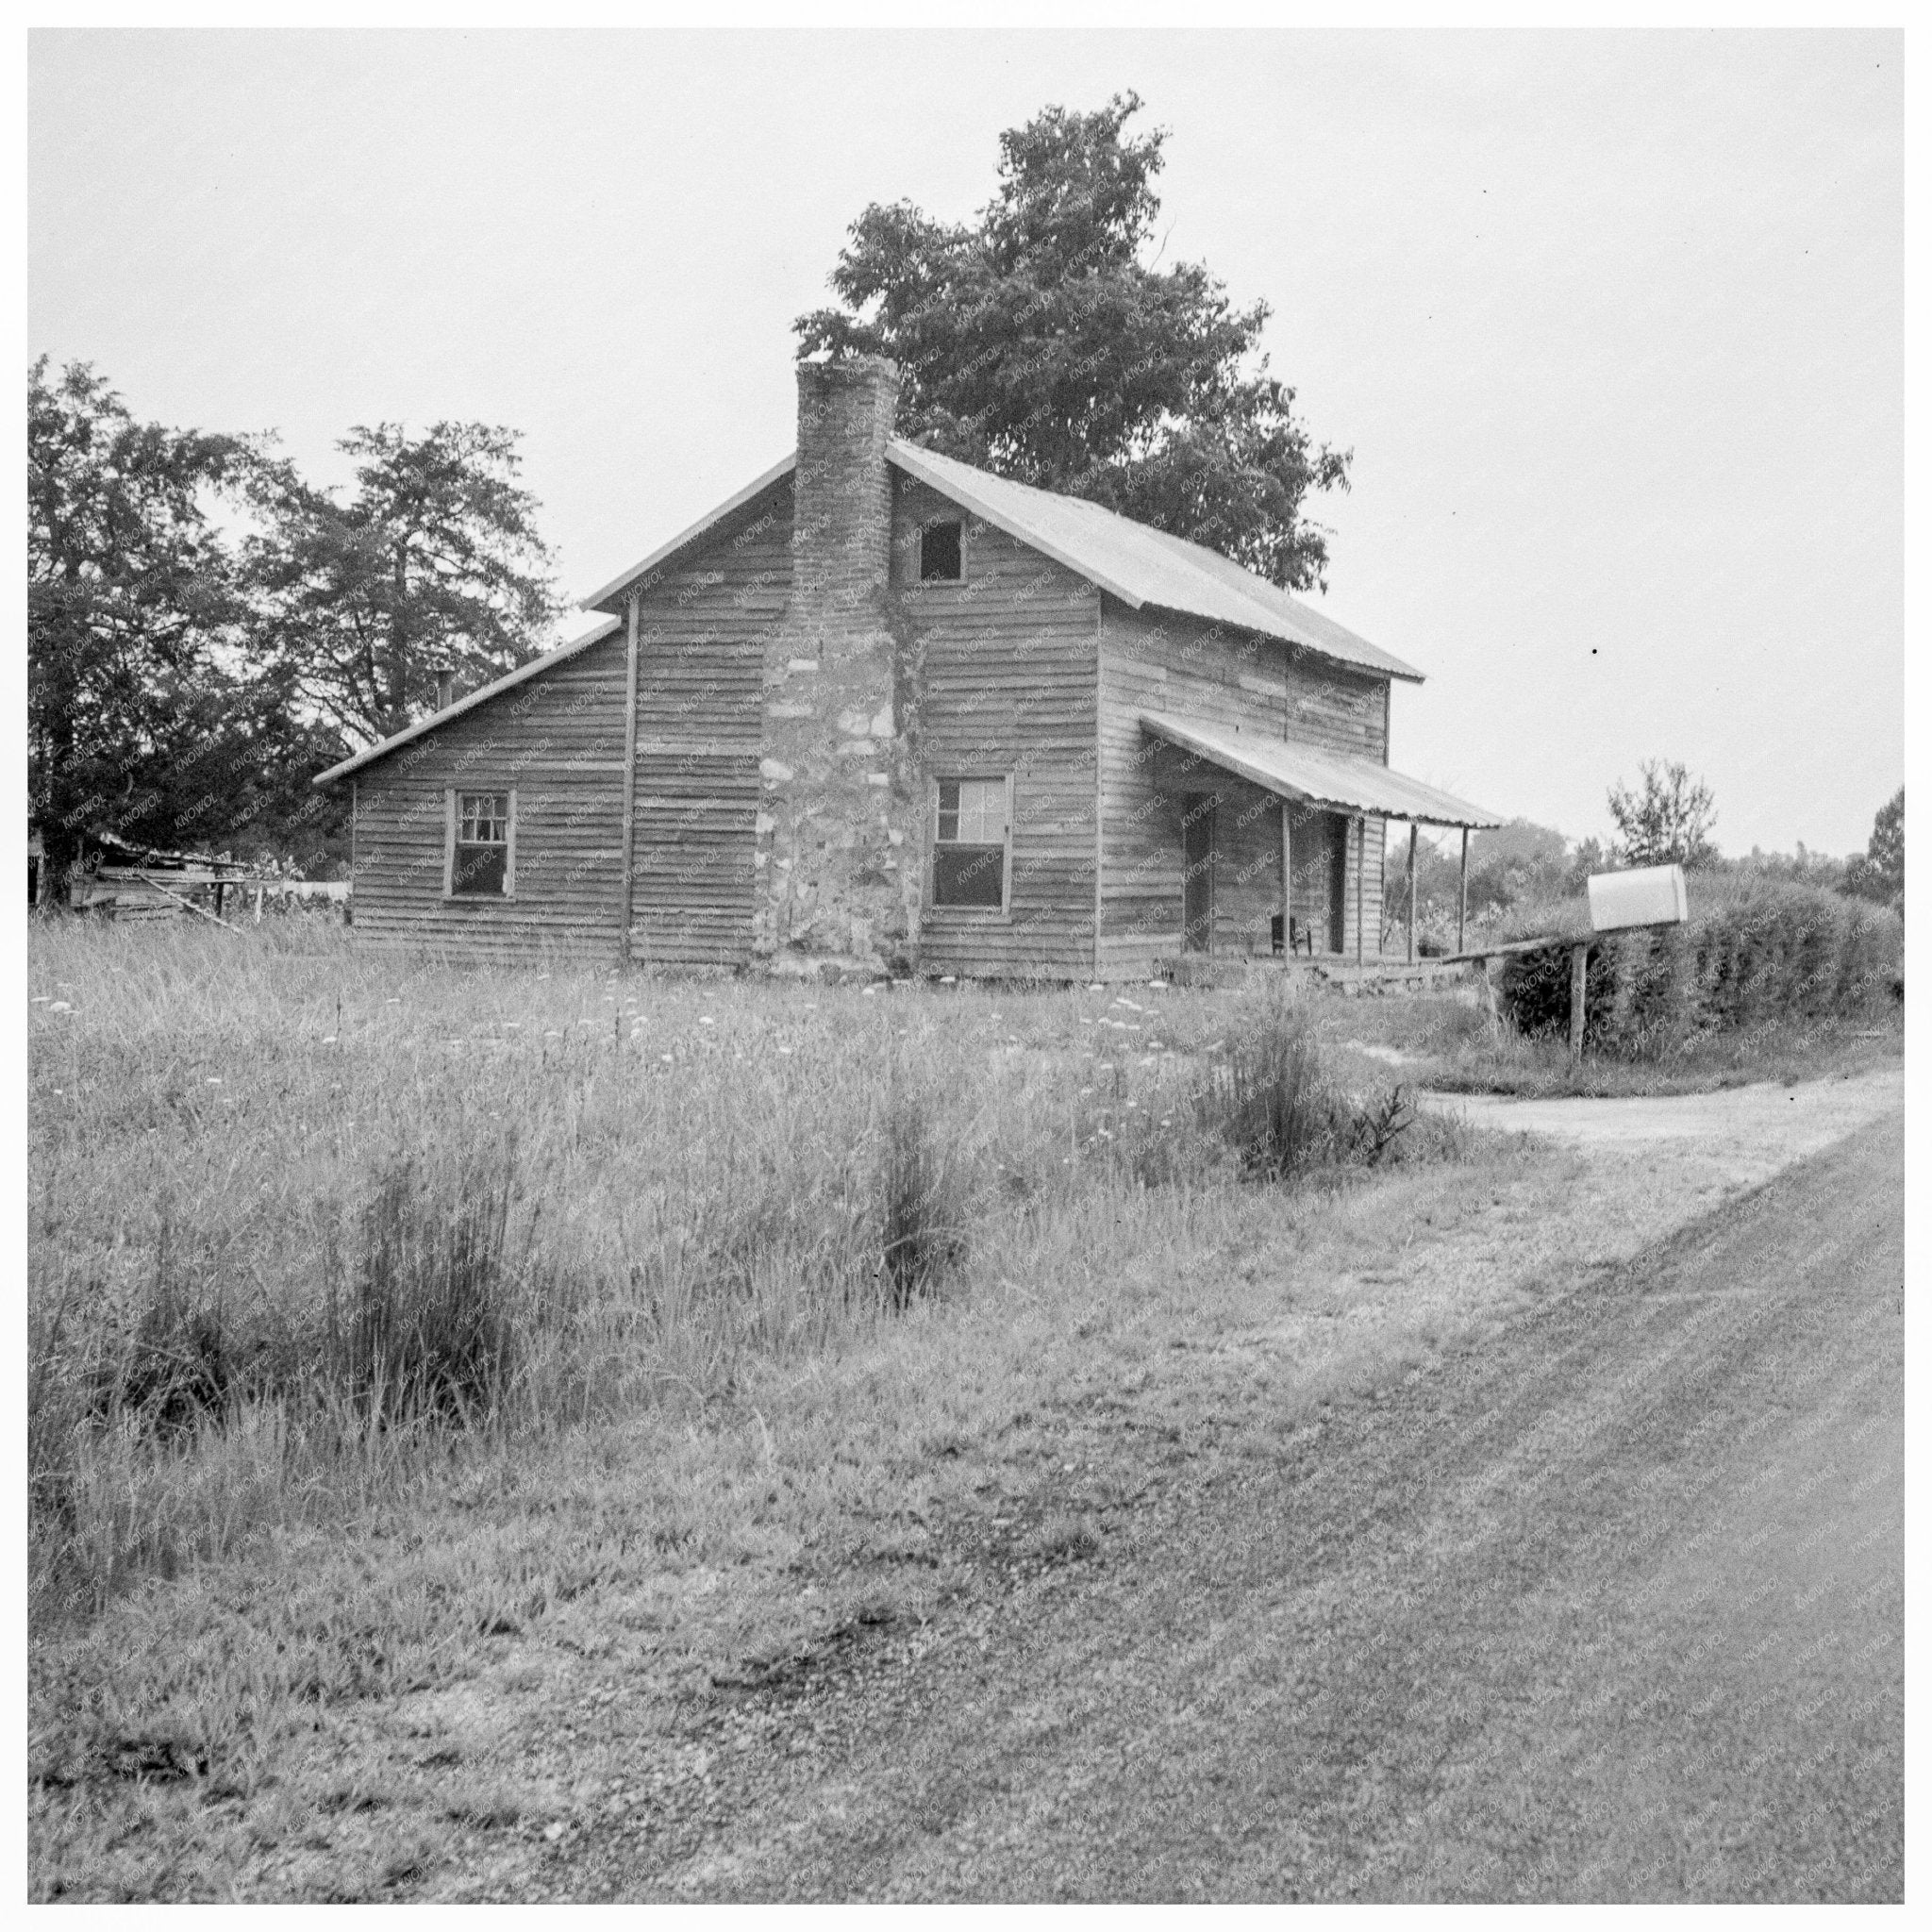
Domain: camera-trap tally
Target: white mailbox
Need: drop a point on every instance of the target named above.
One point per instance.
(1649, 895)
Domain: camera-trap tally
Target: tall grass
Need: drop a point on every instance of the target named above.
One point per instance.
(298, 1212)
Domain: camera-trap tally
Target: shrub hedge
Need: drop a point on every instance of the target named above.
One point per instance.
(1754, 951)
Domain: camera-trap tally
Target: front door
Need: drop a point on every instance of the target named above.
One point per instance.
(1318, 844)
(1197, 876)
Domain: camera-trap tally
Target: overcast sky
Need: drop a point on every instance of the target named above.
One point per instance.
(1612, 323)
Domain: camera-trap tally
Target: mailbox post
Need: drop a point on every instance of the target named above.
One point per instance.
(1621, 902)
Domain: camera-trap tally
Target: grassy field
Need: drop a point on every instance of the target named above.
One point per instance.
(383, 1313)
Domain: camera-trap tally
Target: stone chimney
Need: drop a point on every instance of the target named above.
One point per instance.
(837, 851)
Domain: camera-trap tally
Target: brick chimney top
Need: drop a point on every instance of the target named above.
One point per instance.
(845, 412)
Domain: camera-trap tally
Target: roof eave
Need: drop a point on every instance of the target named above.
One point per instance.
(609, 597)
(1438, 808)
(483, 694)
(1394, 668)
(908, 457)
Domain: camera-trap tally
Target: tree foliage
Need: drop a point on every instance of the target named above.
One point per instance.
(147, 713)
(1667, 821)
(435, 558)
(1880, 873)
(1043, 340)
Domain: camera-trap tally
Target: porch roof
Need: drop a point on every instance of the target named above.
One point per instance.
(1309, 777)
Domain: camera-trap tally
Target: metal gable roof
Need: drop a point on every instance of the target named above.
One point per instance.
(1132, 561)
(508, 681)
(611, 597)
(1141, 565)
(1292, 770)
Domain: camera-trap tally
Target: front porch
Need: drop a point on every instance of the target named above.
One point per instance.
(1283, 850)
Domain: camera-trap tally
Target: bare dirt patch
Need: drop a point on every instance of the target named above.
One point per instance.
(1739, 1136)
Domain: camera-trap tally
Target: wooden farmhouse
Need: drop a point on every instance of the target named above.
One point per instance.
(883, 713)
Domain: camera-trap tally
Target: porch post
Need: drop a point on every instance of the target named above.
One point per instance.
(1462, 893)
(1287, 887)
(1411, 892)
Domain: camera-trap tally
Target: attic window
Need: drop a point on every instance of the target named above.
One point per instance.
(939, 554)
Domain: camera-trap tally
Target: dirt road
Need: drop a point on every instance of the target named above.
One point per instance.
(1606, 1605)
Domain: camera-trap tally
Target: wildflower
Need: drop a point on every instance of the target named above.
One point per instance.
(1125, 1001)
(40, 999)
(706, 1020)
(392, 1003)
(782, 1049)
(328, 1040)
(517, 1023)
(214, 1080)
(665, 1058)
(61, 1007)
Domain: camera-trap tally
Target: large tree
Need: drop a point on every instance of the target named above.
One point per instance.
(1879, 873)
(147, 713)
(1043, 340)
(435, 558)
(1667, 820)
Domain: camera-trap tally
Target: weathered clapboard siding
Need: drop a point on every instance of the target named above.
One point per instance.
(1003, 675)
(1153, 661)
(558, 741)
(702, 628)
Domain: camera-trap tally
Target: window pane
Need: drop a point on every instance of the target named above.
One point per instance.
(969, 875)
(483, 818)
(479, 870)
(983, 810)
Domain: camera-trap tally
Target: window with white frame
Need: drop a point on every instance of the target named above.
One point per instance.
(970, 843)
(482, 834)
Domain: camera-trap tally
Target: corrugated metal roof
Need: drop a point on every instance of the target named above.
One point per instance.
(1134, 562)
(508, 681)
(1313, 777)
(1141, 565)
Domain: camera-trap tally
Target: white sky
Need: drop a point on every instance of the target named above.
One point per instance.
(1613, 322)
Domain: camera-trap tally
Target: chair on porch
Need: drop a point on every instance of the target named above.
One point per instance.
(1300, 936)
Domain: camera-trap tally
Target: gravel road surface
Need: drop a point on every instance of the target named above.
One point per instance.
(1605, 1606)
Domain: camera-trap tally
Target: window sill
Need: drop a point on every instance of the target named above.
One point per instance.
(479, 898)
(969, 915)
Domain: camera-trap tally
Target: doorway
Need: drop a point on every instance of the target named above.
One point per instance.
(1197, 872)
(1317, 842)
